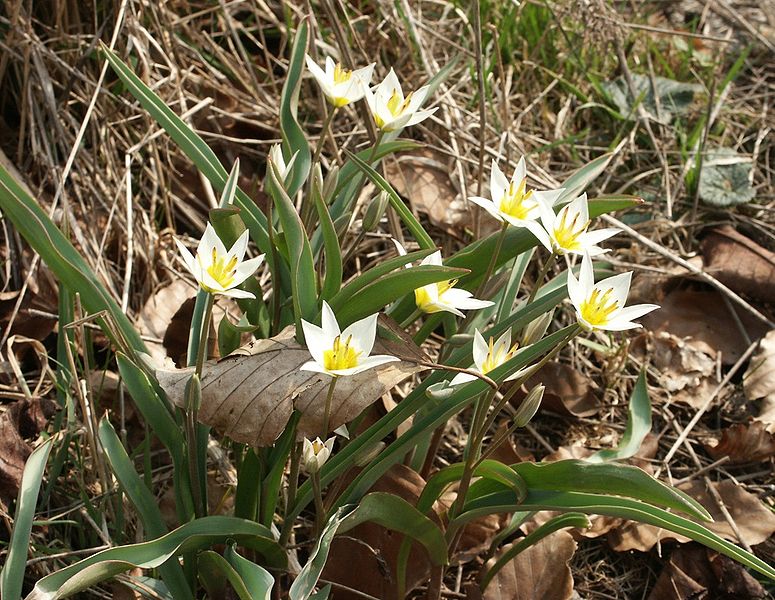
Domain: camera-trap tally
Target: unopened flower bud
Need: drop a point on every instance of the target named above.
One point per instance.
(374, 211)
(460, 339)
(439, 391)
(329, 186)
(536, 329)
(315, 454)
(529, 406)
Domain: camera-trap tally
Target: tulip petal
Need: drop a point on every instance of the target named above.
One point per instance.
(367, 363)
(487, 205)
(238, 294)
(479, 350)
(363, 332)
(462, 378)
(328, 322)
(188, 258)
(316, 339)
(498, 184)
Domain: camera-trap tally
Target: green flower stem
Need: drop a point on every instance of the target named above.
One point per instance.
(192, 412)
(493, 259)
(290, 500)
(416, 313)
(320, 511)
(327, 415)
(323, 134)
(541, 276)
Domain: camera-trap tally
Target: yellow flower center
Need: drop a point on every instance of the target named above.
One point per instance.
(495, 358)
(517, 201)
(597, 309)
(423, 298)
(395, 106)
(223, 272)
(341, 356)
(317, 445)
(341, 75)
(566, 234)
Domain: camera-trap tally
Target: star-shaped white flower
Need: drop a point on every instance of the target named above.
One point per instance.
(338, 353)
(442, 296)
(391, 110)
(566, 232)
(339, 85)
(276, 156)
(217, 270)
(488, 356)
(601, 305)
(512, 201)
(315, 453)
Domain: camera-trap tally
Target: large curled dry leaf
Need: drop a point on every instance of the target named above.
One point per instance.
(541, 571)
(250, 394)
(743, 443)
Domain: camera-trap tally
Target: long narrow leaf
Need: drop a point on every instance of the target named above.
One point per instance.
(12, 576)
(294, 140)
(332, 282)
(196, 535)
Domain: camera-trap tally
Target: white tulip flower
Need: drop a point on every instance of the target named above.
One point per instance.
(442, 296)
(566, 232)
(339, 85)
(601, 305)
(338, 353)
(315, 453)
(277, 159)
(217, 270)
(488, 356)
(391, 110)
(511, 201)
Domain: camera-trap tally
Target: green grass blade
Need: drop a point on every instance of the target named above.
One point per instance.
(193, 536)
(398, 205)
(638, 425)
(294, 140)
(62, 258)
(12, 576)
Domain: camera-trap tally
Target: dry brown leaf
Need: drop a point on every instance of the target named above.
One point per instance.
(539, 573)
(364, 559)
(568, 392)
(698, 572)
(755, 521)
(759, 379)
(250, 394)
(744, 442)
(704, 318)
(423, 178)
(687, 367)
(739, 263)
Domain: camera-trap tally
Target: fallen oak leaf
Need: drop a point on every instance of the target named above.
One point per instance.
(759, 379)
(250, 394)
(744, 443)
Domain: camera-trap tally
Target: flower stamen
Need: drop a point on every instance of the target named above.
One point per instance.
(598, 308)
(341, 356)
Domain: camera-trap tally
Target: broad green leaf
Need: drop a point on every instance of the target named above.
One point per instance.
(624, 508)
(388, 288)
(724, 178)
(607, 478)
(255, 577)
(552, 525)
(12, 575)
(303, 278)
(396, 514)
(192, 145)
(662, 98)
(304, 584)
(294, 140)
(638, 425)
(373, 274)
(417, 230)
(144, 502)
(332, 282)
(196, 535)
(580, 179)
(63, 259)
